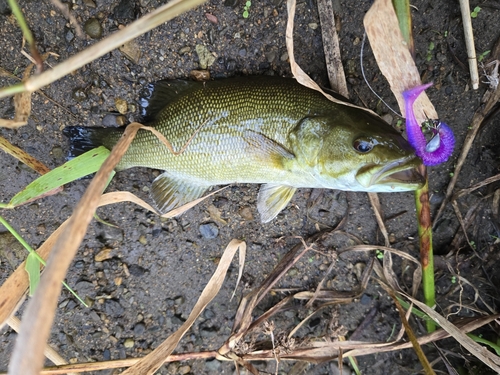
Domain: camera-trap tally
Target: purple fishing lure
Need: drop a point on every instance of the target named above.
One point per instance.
(440, 147)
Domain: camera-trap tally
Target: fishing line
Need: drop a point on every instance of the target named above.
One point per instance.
(366, 80)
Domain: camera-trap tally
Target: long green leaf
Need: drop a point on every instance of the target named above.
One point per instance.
(33, 269)
(72, 170)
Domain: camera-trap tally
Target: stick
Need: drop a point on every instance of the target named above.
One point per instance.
(469, 42)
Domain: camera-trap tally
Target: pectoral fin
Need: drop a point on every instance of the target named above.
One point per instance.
(272, 199)
(266, 149)
(169, 192)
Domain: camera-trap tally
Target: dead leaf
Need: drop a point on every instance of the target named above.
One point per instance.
(394, 58)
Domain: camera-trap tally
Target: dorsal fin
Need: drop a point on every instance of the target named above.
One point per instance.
(157, 95)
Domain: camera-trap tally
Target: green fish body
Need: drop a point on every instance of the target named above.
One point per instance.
(265, 130)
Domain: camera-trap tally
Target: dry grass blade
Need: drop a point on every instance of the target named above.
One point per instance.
(135, 29)
(489, 359)
(479, 185)
(440, 334)
(377, 209)
(23, 156)
(125, 196)
(22, 106)
(49, 352)
(27, 358)
(155, 359)
(417, 273)
(411, 335)
(243, 319)
(394, 58)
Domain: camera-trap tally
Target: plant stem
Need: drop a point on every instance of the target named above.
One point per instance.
(426, 251)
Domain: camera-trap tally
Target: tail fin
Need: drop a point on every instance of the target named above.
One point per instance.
(83, 139)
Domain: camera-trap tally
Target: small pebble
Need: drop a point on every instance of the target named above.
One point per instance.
(209, 230)
(93, 28)
(121, 105)
(70, 36)
(109, 120)
(208, 314)
(365, 299)
(179, 300)
(136, 270)
(79, 94)
(246, 213)
(129, 343)
(184, 369)
(121, 120)
(184, 50)
(89, 3)
(323, 267)
(103, 255)
(139, 329)
(205, 56)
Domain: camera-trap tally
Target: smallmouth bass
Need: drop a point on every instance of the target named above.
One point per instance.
(265, 130)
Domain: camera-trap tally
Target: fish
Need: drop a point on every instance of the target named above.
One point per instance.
(262, 130)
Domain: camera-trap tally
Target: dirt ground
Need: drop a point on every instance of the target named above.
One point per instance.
(158, 268)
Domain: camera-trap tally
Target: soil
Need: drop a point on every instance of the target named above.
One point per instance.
(158, 268)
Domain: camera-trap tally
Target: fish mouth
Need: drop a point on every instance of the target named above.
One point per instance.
(399, 175)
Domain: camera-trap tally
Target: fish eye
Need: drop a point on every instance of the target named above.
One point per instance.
(362, 145)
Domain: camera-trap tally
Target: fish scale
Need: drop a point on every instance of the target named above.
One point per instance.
(263, 129)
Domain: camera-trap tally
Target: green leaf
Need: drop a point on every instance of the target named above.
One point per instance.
(33, 269)
(245, 14)
(81, 166)
(248, 4)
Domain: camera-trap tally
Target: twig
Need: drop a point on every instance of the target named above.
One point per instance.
(331, 47)
(469, 43)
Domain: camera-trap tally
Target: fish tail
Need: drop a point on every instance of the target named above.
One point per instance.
(83, 138)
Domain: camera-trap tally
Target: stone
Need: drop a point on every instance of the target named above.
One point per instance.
(93, 28)
(205, 56)
(209, 230)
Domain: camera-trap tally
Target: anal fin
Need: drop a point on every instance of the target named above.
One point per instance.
(272, 199)
(169, 192)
